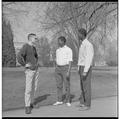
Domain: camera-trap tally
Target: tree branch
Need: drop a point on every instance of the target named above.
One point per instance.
(101, 6)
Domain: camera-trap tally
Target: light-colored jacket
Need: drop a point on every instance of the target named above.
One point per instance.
(86, 54)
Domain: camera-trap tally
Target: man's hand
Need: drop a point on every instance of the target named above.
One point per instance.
(84, 73)
(68, 74)
(27, 65)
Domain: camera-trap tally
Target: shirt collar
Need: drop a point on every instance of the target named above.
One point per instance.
(62, 47)
(30, 43)
(84, 41)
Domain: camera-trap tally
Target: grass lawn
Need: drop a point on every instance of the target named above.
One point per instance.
(104, 83)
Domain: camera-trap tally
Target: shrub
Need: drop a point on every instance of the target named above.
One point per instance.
(8, 50)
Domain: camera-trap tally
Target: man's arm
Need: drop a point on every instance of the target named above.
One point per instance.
(36, 54)
(70, 63)
(78, 60)
(54, 58)
(88, 58)
(21, 55)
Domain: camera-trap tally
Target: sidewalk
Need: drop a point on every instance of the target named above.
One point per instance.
(101, 107)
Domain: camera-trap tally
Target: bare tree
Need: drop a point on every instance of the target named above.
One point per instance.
(67, 17)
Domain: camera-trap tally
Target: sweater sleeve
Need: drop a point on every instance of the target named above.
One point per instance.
(21, 55)
(36, 55)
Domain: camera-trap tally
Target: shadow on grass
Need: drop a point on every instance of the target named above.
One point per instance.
(41, 98)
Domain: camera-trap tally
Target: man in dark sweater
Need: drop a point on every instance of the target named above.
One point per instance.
(28, 58)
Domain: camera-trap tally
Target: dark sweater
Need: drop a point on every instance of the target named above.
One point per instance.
(28, 54)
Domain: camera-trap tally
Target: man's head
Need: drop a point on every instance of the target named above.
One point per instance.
(32, 37)
(61, 41)
(82, 34)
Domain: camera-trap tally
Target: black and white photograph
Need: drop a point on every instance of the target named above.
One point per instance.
(59, 59)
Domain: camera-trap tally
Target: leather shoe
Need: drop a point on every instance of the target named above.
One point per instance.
(80, 105)
(84, 108)
(28, 110)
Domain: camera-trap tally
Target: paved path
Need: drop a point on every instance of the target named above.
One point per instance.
(101, 107)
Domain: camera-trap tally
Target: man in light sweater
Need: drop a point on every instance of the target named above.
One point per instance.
(28, 58)
(85, 60)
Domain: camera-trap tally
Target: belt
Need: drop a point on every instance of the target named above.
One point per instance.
(62, 65)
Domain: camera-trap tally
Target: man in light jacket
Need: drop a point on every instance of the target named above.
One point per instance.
(85, 60)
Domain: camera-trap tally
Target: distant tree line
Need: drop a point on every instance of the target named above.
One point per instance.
(43, 50)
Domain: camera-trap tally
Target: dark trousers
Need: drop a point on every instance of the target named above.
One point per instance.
(60, 74)
(85, 83)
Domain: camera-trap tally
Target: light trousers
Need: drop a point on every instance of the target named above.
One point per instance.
(32, 77)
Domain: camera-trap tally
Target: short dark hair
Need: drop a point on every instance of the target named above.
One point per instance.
(30, 35)
(83, 32)
(62, 38)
